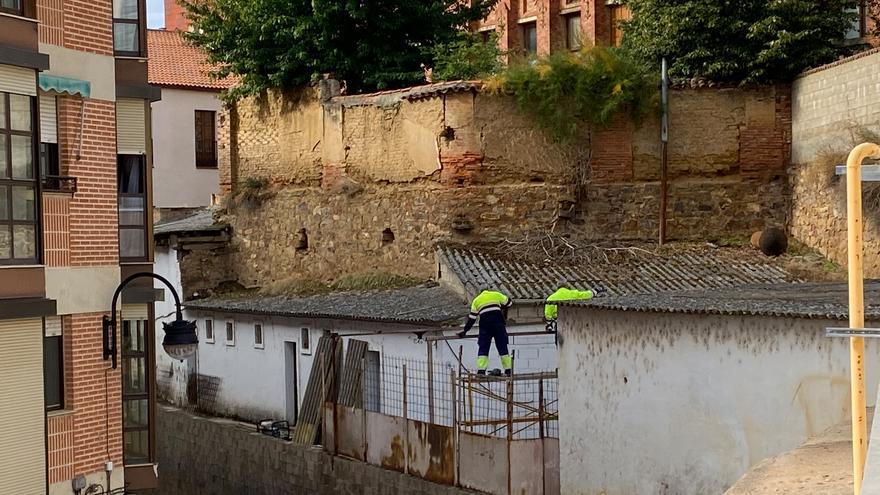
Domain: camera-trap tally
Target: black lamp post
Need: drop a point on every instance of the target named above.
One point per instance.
(180, 339)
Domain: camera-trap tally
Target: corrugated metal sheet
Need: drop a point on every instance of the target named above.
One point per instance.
(131, 134)
(633, 272)
(351, 386)
(18, 80)
(48, 119)
(318, 390)
(23, 468)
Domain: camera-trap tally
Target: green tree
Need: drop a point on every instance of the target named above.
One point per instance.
(742, 41)
(469, 56)
(370, 44)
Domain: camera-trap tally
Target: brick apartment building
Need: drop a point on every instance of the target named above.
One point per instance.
(74, 221)
(544, 26)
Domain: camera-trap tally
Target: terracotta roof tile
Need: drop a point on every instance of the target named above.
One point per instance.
(175, 62)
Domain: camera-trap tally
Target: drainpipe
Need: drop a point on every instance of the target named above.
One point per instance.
(664, 143)
(857, 305)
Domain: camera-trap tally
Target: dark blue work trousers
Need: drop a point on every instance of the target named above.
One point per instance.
(492, 327)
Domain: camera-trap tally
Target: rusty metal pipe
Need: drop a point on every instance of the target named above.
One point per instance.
(855, 277)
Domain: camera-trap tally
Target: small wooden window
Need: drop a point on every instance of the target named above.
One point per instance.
(618, 14)
(206, 139)
(304, 345)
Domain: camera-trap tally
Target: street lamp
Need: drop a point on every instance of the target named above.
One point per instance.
(180, 339)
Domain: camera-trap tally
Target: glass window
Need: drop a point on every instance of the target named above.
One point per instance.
(126, 27)
(209, 331)
(132, 207)
(258, 335)
(53, 364)
(573, 32)
(50, 163)
(530, 37)
(135, 391)
(19, 239)
(11, 6)
(230, 333)
(206, 139)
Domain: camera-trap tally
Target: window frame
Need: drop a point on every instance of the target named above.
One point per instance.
(143, 354)
(9, 10)
(61, 371)
(524, 30)
(202, 161)
(209, 327)
(305, 344)
(230, 330)
(144, 226)
(568, 37)
(9, 182)
(139, 29)
(258, 330)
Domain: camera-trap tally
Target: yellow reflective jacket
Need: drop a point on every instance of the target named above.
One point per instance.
(551, 311)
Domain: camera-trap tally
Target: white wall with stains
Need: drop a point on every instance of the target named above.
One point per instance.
(665, 403)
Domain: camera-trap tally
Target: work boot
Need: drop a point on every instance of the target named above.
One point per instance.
(495, 372)
(507, 372)
(481, 372)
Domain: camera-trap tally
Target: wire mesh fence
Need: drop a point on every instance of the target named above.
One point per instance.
(520, 408)
(412, 389)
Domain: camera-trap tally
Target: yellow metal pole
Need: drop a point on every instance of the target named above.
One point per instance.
(857, 305)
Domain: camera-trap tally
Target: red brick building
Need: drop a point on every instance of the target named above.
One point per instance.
(543, 26)
(74, 221)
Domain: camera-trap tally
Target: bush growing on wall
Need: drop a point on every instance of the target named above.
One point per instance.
(469, 56)
(568, 93)
(751, 41)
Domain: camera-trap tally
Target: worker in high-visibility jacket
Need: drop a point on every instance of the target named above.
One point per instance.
(551, 311)
(490, 307)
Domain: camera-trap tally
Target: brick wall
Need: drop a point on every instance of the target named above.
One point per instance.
(95, 393)
(223, 457)
(88, 26)
(93, 209)
(354, 166)
(51, 16)
(175, 18)
(833, 109)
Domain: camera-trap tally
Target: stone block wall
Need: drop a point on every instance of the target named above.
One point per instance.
(206, 455)
(834, 108)
(448, 163)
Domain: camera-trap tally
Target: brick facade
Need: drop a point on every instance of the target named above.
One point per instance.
(93, 209)
(88, 26)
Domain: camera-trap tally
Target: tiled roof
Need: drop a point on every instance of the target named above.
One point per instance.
(175, 62)
(625, 272)
(412, 93)
(431, 306)
(806, 300)
(200, 221)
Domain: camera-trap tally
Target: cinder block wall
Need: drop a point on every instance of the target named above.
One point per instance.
(220, 457)
(834, 108)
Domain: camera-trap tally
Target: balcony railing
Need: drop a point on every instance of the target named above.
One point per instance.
(59, 183)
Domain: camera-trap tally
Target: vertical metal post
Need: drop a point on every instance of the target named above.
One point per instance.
(405, 425)
(664, 141)
(430, 381)
(541, 434)
(455, 439)
(857, 305)
(509, 430)
(364, 403)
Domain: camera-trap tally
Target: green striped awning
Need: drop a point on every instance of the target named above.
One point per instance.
(65, 85)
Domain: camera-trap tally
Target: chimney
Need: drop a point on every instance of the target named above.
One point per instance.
(175, 18)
